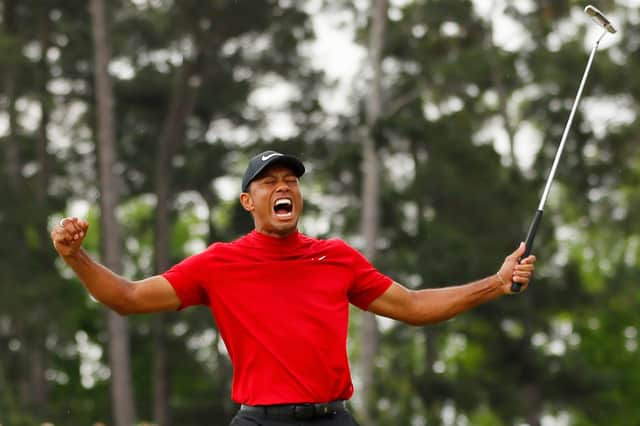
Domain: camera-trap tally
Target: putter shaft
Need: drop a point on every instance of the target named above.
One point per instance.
(533, 228)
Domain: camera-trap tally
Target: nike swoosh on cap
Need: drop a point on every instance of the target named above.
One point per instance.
(266, 157)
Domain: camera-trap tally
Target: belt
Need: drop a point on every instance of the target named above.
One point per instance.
(295, 411)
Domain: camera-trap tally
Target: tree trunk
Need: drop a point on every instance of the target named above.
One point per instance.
(123, 407)
(12, 152)
(159, 371)
(42, 156)
(426, 387)
(119, 357)
(160, 405)
(180, 108)
(429, 394)
(371, 202)
(224, 370)
(38, 389)
(503, 93)
(37, 358)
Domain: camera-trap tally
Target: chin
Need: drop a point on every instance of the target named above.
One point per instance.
(285, 229)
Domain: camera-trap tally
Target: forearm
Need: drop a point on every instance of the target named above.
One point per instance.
(104, 285)
(419, 307)
(434, 305)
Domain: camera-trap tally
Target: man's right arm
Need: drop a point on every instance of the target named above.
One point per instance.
(154, 294)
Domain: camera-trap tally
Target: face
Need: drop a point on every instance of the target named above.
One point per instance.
(275, 201)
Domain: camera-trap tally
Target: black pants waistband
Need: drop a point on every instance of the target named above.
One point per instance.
(295, 411)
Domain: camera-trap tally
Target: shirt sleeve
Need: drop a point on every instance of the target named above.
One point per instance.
(186, 279)
(368, 283)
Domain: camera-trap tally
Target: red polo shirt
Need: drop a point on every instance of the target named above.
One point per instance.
(282, 308)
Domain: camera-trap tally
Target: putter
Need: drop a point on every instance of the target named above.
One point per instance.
(601, 20)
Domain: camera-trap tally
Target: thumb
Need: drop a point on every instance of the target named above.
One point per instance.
(519, 251)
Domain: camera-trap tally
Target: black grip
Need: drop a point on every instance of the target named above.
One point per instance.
(531, 235)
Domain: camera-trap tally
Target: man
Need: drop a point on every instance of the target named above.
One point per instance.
(281, 299)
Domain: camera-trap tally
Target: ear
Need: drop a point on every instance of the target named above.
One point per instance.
(246, 201)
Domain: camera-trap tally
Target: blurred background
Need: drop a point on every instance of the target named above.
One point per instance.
(428, 128)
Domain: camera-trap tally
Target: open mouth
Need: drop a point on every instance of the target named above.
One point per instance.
(283, 207)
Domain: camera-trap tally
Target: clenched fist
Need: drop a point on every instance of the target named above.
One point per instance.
(516, 270)
(68, 235)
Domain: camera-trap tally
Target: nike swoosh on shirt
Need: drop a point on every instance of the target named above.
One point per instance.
(266, 157)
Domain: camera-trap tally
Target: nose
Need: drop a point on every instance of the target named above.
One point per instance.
(282, 187)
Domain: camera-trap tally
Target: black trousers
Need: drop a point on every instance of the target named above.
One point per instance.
(340, 418)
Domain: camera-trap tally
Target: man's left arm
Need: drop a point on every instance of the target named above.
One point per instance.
(419, 307)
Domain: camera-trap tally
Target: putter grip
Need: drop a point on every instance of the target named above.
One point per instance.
(531, 235)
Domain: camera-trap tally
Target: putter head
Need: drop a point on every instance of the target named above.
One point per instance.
(599, 18)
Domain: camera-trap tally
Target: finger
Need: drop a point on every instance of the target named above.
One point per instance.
(71, 231)
(75, 224)
(77, 233)
(528, 268)
(61, 236)
(523, 274)
(530, 259)
(76, 228)
(525, 267)
(66, 222)
(84, 225)
(523, 286)
(68, 235)
(79, 225)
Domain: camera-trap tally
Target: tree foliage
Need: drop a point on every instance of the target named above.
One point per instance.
(469, 128)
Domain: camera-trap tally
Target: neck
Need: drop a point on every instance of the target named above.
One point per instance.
(277, 234)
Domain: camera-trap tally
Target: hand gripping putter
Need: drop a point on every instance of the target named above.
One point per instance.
(601, 20)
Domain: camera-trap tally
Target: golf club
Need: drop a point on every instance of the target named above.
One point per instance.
(601, 20)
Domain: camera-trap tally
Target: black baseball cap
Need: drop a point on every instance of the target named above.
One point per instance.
(263, 160)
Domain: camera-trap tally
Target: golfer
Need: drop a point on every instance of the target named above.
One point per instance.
(281, 299)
